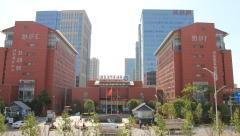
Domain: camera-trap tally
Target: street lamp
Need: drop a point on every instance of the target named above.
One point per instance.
(213, 73)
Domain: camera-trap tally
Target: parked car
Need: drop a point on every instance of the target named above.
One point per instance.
(17, 124)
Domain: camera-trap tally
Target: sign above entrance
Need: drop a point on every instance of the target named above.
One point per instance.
(113, 77)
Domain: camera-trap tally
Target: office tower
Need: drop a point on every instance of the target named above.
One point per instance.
(130, 68)
(76, 27)
(155, 25)
(190, 55)
(94, 69)
(36, 58)
(138, 62)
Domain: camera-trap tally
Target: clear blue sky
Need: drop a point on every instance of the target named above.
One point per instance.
(114, 23)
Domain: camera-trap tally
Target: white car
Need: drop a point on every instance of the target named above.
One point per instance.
(17, 124)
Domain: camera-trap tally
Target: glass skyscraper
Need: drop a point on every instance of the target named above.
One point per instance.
(130, 68)
(154, 27)
(76, 27)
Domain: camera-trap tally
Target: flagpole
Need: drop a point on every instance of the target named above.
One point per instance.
(106, 100)
(111, 100)
(117, 101)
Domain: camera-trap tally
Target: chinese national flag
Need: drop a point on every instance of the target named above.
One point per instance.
(109, 92)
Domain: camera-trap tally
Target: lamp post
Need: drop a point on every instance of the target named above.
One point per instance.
(213, 73)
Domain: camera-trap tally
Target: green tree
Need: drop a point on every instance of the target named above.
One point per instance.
(152, 104)
(30, 127)
(158, 106)
(97, 126)
(44, 100)
(169, 110)
(133, 103)
(76, 105)
(187, 127)
(40, 103)
(211, 113)
(65, 125)
(188, 90)
(130, 124)
(198, 112)
(2, 105)
(225, 112)
(3, 126)
(178, 105)
(160, 128)
(89, 105)
(235, 120)
(219, 128)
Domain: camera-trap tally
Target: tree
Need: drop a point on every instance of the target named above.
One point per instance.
(199, 112)
(3, 126)
(89, 105)
(178, 105)
(130, 124)
(44, 99)
(152, 104)
(30, 127)
(76, 106)
(235, 120)
(160, 127)
(133, 103)
(158, 107)
(188, 124)
(220, 126)
(97, 126)
(2, 105)
(65, 125)
(169, 110)
(188, 91)
(40, 103)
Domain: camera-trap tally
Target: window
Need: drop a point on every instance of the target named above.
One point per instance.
(18, 68)
(27, 73)
(29, 53)
(197, 46)
(26, 90)
(32, 45)
(199, 75)
(28, 63)
(198, 55)
(199, 65)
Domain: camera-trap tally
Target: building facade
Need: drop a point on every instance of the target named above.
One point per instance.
(154, 27)
(138, 62)
(112, 95)
(94, 69)
(36, 58)
(185, 54)
(76, 27)
(130, 69)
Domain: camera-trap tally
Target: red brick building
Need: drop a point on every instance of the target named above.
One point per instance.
(184, 53)
(120, 92)
(33, 59)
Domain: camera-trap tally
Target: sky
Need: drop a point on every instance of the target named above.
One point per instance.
(115, 23)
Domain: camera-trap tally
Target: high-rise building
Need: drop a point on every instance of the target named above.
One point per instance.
(154, 27)
(76, 27)
(130, 64)
(189, 55)
(36, 58)
(138, 62)
(94, 69)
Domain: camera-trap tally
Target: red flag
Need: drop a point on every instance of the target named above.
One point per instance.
(109, 92)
